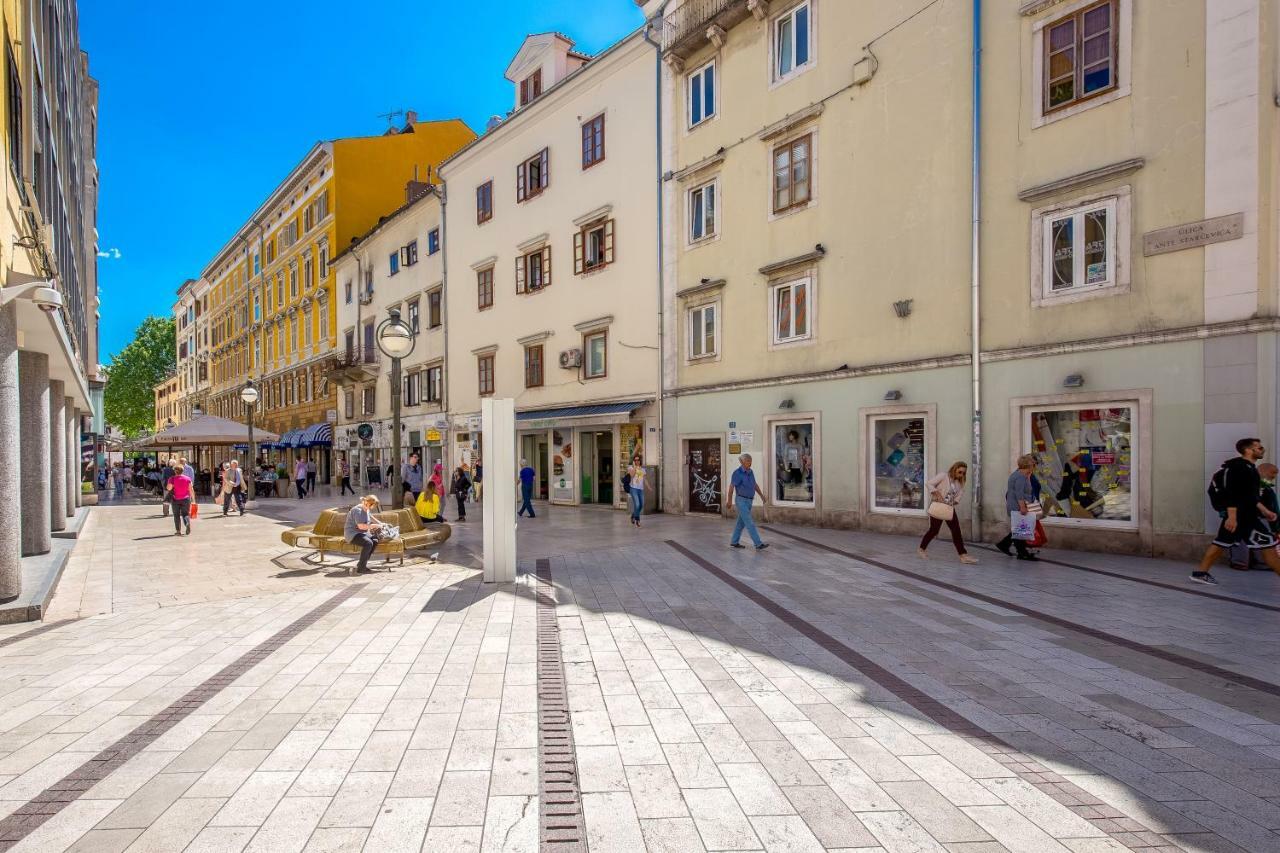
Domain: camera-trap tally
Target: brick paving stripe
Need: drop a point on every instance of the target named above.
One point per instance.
(71, 787)
(1115, 639)
(560, 818)
(26, 635)
(1059, 788)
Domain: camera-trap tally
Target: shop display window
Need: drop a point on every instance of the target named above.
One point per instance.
(1084, 462)
(794, 475)
(899, 463)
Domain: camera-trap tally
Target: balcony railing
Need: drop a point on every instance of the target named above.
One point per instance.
(353, 365)
(685, 29)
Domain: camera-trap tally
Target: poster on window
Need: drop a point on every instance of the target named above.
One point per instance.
(632, 445)
(793, 455)
(1084, 462)
(562, 465)
(898, 463)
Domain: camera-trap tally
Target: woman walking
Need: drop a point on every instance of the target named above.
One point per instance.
(459, 487)
(344, 471)
(180, 495)
(635, 471)
(945, 491)
(1018, 498)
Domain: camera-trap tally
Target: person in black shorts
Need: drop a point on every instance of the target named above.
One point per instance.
(1245, 519)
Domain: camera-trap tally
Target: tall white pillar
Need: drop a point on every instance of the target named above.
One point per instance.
(73, 458)
(10, 523)
(57, 454)
(498, 421)
(33, 433)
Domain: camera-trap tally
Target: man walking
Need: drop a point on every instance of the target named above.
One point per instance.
(411, 477)
(300, 477)
(1018, 495)
(344, 473)
(745, 490)
(526, 489)
(1236, 492)
(233, 488)
(311, 476)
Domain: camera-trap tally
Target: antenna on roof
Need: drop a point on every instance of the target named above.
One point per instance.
(391, 117)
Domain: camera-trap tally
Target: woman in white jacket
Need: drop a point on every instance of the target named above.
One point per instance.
(945, 491)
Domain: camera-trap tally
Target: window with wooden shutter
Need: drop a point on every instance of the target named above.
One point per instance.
(546, 266)
(484, 288)
(544, 169)
(485, 369)
(520, 265)
(593, 141)
(579, 264)
(791, 174)
(533, 366)
(484, 202)
(593, 246)
(520, 181)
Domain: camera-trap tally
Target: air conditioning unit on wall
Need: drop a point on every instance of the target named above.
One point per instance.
(571, 358)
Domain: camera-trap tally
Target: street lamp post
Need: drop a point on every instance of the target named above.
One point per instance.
(249, 396)
(396, 339)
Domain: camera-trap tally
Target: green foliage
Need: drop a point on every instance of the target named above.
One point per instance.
(129, 402)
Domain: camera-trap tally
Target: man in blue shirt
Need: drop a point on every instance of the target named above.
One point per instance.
(745, 489)
(526, 488)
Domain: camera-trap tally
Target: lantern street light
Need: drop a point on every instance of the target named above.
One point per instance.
(396, 339)
(249, 396)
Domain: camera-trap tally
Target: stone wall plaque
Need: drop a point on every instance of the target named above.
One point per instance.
(1193, 234)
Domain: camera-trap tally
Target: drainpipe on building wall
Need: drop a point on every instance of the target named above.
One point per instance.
(975, 281)
(442, 193)
(657, 116)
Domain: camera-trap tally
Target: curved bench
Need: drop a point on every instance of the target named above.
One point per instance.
(326, 534)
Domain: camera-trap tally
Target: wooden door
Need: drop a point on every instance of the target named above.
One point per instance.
(704, 490)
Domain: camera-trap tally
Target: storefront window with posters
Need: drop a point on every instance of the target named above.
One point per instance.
(1085, 462)
(793, 469)
(899, 463)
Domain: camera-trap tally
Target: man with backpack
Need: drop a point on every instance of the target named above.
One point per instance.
(1235, 491)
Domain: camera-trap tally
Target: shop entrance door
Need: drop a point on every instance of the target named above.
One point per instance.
(533, 449)
(704, 475)
(597, 467)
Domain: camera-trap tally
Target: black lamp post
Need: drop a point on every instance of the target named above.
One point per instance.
(396, 339)
(249, 396)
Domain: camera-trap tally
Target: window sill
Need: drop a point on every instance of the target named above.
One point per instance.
(790, 211)
(792, 74)
(1038, 121)
(1079, 294)
(702, 241)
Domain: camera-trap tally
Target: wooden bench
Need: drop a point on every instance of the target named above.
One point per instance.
(326, 534)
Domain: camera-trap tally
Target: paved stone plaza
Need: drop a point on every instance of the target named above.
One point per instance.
(218, 693)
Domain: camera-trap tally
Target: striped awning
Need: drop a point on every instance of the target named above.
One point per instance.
(290, 438)
(317, 435)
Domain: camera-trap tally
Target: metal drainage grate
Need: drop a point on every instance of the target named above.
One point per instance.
(560, 821)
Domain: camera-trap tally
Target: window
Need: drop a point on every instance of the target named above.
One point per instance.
(484, 202)
(1079, 248)
(593, 246)
(293, 282)
(593, 141)
(532, 176)
(435, 308)
(1080, 56)
(306, 326)
(308, 274)
(349, 402)
(351, 343)
(700, 87)
(899, 462)
(594, 352)
(794, 470)
(280, 290)
(269, 291)
(704, 330)
(257, 308)
(293, 333)
(323, 313)
(1085, 461)
(790, 311)
(484, 288)
(435, 384)
(413, 316)
(792, 37)
(409, 254)
(533, 366)
(347, 292)
(15, 115)
(533, 271)
(485, 365)
(791, 174)
(702, 212)
(257, 263)
(393, 263)
(369, 399)
(531, 87)
(324, 261)
(433, 241)
(412, 388)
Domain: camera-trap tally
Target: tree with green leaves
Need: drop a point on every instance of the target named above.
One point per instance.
(130, 403)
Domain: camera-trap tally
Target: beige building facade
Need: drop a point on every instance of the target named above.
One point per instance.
(552, 271)
(828, 289)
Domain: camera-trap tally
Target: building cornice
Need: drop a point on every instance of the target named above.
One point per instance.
(1081, 179)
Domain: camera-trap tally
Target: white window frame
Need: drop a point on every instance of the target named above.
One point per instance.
(771, 462)
(1122, 69)
(809, 279)
(714, 235)
(775, 77)
(1119, 205)
(869, 417)
(696, 79)
(587, 337)
(697, 330)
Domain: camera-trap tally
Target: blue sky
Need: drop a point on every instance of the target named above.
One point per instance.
(204, 107)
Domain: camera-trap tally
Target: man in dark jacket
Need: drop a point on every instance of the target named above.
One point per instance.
(1245, 518)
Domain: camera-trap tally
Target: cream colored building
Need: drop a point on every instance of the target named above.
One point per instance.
(397, 265)
(552, 279)
(822, 266)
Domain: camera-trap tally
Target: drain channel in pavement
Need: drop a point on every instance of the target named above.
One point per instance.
(73, 786)
(1124, 829)
(561, 825)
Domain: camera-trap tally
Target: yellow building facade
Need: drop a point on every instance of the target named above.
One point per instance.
(269, 309)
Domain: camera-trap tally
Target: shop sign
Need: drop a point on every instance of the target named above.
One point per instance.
(734, 448)
(433, 435)
(1193, 234)
(331, 415)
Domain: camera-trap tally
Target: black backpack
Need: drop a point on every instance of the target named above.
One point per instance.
(1217, 490)
(626, 482)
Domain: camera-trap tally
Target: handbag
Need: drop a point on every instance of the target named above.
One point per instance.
(1022, 525)
(195, 508)
(1035, 508)
(941, 511)
(1041, 538)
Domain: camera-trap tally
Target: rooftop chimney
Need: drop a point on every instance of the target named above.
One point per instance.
(415, 189)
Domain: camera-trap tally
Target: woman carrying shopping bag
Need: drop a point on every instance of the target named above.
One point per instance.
(945, 491)
(1018, 500)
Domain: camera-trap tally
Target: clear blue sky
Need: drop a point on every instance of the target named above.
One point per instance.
(204, 107)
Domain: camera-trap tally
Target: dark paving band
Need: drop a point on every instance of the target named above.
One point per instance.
(560, 820)
(71, 787)
(1161, 584)
(1124, 829)
(26, 635)
(1115, 639)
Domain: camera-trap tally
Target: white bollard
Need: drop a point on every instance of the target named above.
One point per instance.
(498, 422)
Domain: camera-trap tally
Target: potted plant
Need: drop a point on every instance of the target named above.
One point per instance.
(88, 494)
